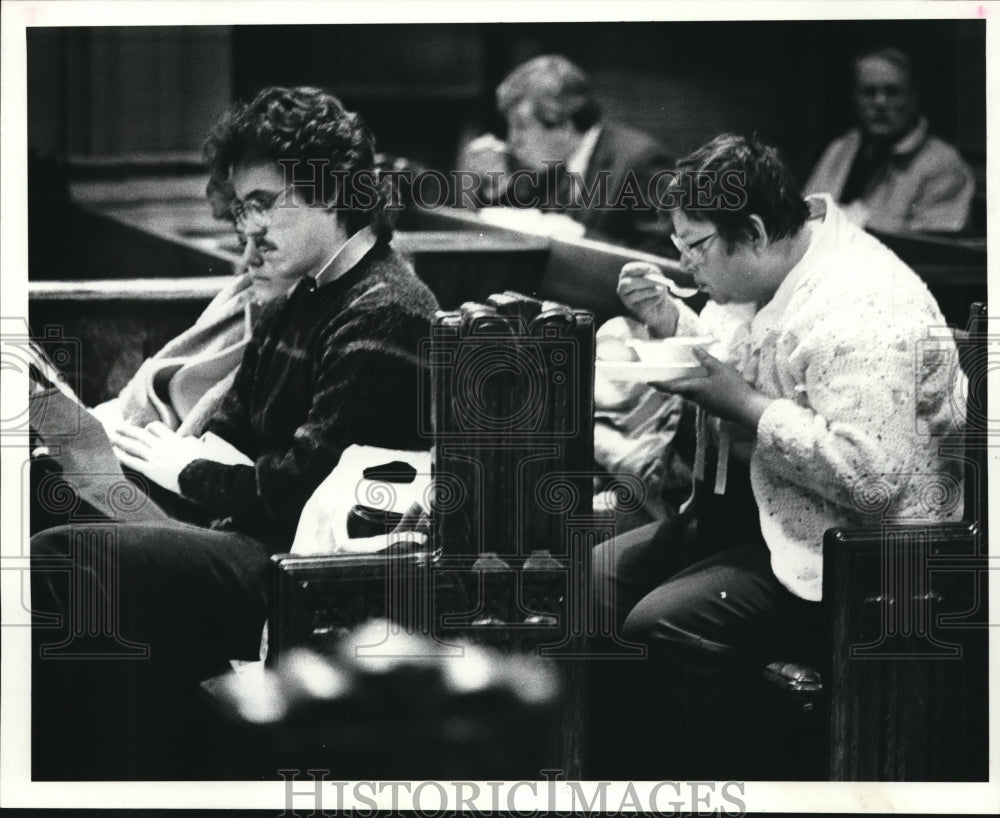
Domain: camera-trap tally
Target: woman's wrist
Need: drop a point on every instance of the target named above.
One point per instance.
(754, 409)
(665, 326)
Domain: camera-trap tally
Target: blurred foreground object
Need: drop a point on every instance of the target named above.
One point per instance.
(389, 704)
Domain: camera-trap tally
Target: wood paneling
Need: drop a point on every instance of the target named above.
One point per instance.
(101, 91)
(423, 88)
(909, 687)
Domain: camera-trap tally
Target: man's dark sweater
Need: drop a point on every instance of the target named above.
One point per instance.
(325, 368)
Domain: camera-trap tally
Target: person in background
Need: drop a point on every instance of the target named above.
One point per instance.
(600, 173)
(333, 360)
(812, 407)
(890, 173)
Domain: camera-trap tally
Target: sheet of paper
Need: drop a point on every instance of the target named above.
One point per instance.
(77, 441)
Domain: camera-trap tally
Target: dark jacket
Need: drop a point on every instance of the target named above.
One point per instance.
(630, 160)
(325, 368)
(618, 201)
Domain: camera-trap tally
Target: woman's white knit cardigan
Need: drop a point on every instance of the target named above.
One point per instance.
(867, 387)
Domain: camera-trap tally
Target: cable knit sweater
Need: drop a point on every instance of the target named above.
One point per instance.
(866, 386)
(325, 368)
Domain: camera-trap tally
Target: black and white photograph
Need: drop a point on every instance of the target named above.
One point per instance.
(498, 407)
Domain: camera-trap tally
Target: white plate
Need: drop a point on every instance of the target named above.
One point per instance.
(669, 351)
(641, 372)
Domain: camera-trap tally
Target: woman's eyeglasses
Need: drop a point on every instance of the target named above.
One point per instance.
(695, 250)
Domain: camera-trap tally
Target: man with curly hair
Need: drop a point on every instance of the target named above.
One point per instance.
(333, 361)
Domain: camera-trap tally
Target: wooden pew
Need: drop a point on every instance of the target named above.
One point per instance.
(580, 272)
(905, 693)
(584, 273)
(153, 227)
(113, 325)
(509, 494)
(953, 267)
(136, 234)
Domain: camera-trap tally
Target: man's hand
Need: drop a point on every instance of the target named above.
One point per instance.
(649, 302)
(157, 452)
(489, 159)
(721, 391)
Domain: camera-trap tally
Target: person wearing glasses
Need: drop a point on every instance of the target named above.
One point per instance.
(562, 157)
(890, 173)
(817, 410)
(332, 361)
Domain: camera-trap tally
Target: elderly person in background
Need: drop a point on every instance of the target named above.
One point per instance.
(890, 173)
(602, 174)
(333, 361)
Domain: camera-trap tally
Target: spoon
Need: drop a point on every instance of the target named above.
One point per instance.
(650, 273)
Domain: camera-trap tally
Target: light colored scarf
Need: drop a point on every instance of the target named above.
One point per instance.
(183, 384)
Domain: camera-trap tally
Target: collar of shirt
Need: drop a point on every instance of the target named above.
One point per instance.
(912, 140)
(342, 261)
(820, 209)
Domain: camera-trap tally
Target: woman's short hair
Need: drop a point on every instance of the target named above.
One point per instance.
(733, 177)
(329, 150)
(558, 89)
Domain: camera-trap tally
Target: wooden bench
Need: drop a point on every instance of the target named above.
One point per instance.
(512, 387)
(905, 694)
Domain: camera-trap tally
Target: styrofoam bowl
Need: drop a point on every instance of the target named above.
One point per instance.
(611, 348)
(640, 372)
(669, 352)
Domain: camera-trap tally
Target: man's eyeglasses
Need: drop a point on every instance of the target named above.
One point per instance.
(692, 250)
(257, 209)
